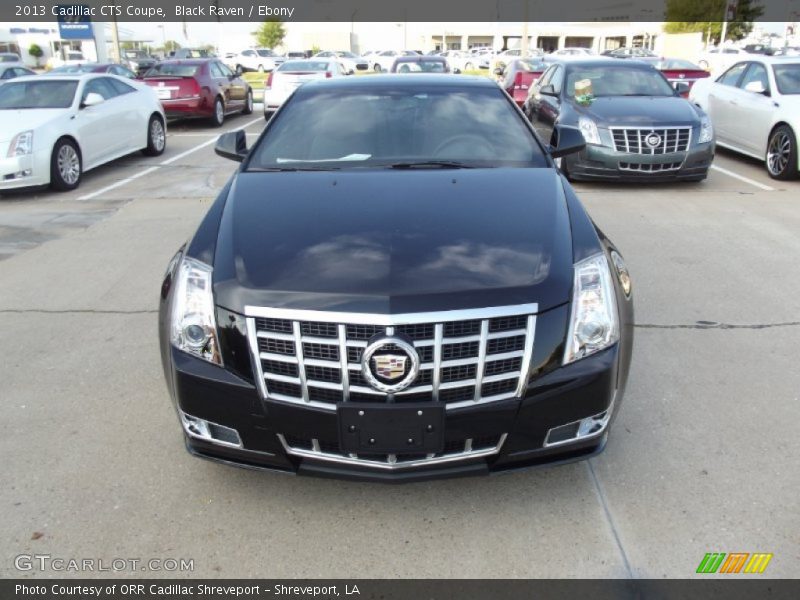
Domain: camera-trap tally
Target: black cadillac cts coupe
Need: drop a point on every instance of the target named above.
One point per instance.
(397, 284)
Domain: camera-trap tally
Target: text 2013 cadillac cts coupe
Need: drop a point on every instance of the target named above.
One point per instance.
(363, 299)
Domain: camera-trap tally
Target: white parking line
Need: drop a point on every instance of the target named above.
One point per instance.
(163, 163)
(742, 178)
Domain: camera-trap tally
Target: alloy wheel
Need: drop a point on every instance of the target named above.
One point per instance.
(69, 165)
(157, 136)
(778, 152)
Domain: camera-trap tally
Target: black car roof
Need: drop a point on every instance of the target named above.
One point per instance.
(401, 81)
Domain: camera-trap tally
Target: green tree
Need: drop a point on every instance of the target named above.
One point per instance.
(36, 52)
(685, 16)
(170, 46)
(270, 34)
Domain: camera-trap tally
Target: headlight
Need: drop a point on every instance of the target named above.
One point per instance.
(589, 130)
(21, 145)
(706, 130)
(593, 323)
(193, 325)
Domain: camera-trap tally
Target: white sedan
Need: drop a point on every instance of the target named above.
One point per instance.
(256, 59)
(53, 129)
(383, 61)
(292, 74)
(755, 110)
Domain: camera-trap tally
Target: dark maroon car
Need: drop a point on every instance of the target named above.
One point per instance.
(518, 76)
(90, 67)
(681, 73)
(202, 87)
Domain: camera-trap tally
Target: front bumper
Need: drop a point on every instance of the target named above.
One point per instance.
(25, 171)
(604, 163)
(503, 436)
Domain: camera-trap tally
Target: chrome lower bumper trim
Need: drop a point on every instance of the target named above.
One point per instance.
(391, 462)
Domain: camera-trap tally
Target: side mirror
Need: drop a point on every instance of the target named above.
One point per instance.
(548, 90)
(682, 87)
(756, 87)
(92, 99)
(569, 140)
(498, 71)
(239, 70)
(232, 145)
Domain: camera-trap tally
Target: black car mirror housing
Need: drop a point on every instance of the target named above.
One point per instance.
(232, 145)
(569, 140)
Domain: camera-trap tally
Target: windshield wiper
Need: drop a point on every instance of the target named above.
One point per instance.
(285, 169)
(431, 164)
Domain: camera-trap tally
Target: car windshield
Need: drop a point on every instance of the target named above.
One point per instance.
(37, 94)
(422, 66)
(265, 53)
(613, 80)
(530, 66)
(135, 54)
(677, 63)
(172, 70)
(74, 69)
(9, 58)
(396, 126)
(304, 65)
(787, 77)
(346, 54)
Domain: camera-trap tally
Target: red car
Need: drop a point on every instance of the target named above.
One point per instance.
(518, 76)
(202, 87)
(681, 73)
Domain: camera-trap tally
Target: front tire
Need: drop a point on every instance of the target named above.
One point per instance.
(66, 167)
(218, 118)
(260, 68)
(468, 67)
(248, 103)
(781, 157)
(377, 68)
(156, 137)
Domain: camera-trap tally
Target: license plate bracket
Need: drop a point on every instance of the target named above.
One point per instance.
(391, 428)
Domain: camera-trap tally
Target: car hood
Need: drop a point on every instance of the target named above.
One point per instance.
(14, 121)
(645, 111)
(386, 241)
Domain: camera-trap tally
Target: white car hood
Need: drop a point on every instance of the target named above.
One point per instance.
(14, 121)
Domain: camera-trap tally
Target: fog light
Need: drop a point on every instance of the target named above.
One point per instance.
(579, 430)
(210, 432)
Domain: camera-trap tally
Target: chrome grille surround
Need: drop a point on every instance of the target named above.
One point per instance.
(393, 461)
(494, 335)
(631, 140)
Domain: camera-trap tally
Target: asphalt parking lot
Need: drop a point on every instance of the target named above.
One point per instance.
(703, 456)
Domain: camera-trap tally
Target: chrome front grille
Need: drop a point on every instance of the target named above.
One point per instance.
(633, 140)
(466, 357)
(454, 450)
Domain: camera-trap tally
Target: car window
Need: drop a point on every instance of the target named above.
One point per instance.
(120, 87)
(249, 53)
(546, 76)
(101, 86)
(216, 70)
(758, 73)
(732, 75)
(730, 51)
(391, 124)
(8, 74)
(37, 93)
(226, 72)
(787, 77)
(557, 80)
(615, 80)
(172, 69)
